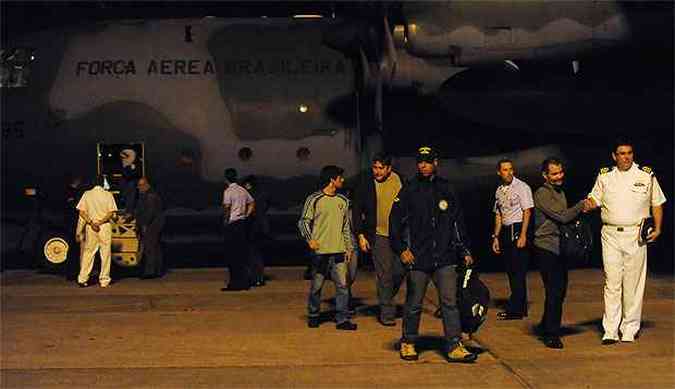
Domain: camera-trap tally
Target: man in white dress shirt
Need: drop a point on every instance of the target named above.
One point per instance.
(625, 194)
(238, 206)
(513, 210)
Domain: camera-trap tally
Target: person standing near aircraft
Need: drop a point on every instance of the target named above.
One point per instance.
(130, 176)
(625, 194)
(259, 229)
(373, 200)
(426, 230)
(550, 211)
(325, 225)
(238, 205)
(512, 209)
(73, 194)
(149, 224)
(97, 206)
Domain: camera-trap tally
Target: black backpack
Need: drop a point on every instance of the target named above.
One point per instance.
(576, 240)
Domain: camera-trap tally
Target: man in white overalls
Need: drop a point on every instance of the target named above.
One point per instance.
(97, 206)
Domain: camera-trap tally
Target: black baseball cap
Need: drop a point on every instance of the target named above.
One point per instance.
(426, 154)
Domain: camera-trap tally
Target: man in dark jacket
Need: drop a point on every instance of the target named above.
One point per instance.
(426, 229)
(373, 200)
(149, 224)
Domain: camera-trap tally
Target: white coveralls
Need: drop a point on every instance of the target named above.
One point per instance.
(96, 202)
(625, 199)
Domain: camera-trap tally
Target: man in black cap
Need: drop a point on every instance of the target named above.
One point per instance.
(426, 230)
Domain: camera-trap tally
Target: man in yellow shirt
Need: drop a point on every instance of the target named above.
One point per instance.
(373, 200)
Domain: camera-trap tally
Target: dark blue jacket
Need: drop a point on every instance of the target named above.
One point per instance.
(427, 218)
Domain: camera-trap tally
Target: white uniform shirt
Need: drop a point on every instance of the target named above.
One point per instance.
(236, 197)
(625, 197)
(511, 200)
(97, 202)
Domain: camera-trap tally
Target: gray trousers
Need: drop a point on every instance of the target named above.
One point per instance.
(445, 280)
(390, 274)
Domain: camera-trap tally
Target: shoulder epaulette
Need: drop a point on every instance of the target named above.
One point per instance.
(604, 170)
(647, 169)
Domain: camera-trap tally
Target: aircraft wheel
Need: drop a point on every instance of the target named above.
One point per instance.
(53, 251)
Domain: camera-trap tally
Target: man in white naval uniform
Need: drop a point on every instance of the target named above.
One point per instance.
(96, 207)
(625, 194)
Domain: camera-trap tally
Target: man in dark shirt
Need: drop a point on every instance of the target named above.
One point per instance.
(149, 223)
(73, 193)
(259, 229)
(426, 230)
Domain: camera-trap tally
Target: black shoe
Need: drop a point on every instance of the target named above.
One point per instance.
(313, 322)
(347, 326)
(553, 342)
(504, 315)
(609, 342)
(232, 289)
(387, 322)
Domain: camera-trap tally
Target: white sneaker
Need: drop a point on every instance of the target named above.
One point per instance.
(105, 285)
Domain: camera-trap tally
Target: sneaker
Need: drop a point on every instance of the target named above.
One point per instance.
(313, 322)
(82, 284)
(408, 352)
(105, 285)
(461, 354)
(347, 326)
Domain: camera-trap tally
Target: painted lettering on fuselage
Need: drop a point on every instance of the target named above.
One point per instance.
(113, 67)
(196, 67)
(285, 66)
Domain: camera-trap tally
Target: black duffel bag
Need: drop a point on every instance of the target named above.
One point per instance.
(473, 298)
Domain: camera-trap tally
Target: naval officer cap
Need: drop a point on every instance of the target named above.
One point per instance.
(426, 154)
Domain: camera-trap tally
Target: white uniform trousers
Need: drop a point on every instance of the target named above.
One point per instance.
(96, 241)
(625, 266)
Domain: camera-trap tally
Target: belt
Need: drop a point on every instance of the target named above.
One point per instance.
(621, 228)
(513, 230)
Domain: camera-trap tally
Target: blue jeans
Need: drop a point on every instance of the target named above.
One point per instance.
(327, 266)
(445, 280)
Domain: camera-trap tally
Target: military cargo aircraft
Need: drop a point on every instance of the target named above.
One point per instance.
(278, 96)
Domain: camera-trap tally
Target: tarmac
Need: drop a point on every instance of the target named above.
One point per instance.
(181, 331)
